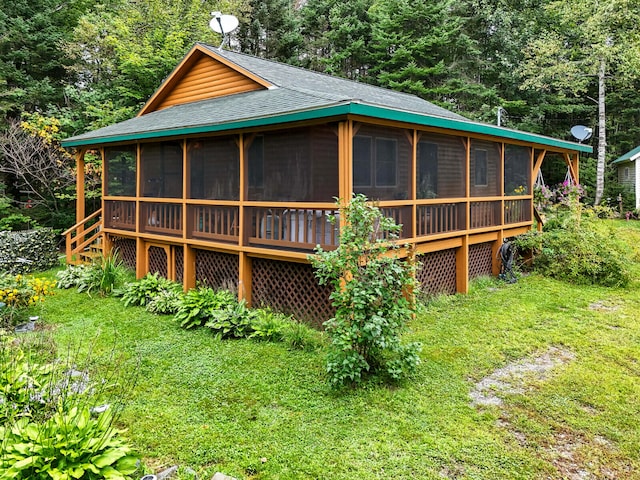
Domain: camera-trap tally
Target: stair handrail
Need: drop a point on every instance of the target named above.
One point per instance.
(80, 234)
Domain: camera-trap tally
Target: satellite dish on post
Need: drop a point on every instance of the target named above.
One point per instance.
(223, 24)
(581, 132)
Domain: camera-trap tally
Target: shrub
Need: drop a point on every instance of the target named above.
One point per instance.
(143, 291)
(28, 251)
(166, 302)
(198, 304)
(577, 248)
(71, 276)
(371, 292)
(103, 275)
(19, 295)
(49, 426)
(232, 321)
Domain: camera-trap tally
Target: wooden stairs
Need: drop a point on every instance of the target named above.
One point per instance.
(85, 240)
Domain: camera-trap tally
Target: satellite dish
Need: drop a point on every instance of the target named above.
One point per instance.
(581, 132)
(223, 24)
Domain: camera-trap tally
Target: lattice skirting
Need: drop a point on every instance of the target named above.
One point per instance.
(178, 255)
(126, 248)
(158, 262)
(291, 288)
(217, 270)
(437, 272)
(480, 260)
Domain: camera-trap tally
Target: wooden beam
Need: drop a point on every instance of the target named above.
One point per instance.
(80, 194)
(462, 266)
(244, 277)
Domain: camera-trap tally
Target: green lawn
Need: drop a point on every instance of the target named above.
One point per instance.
(227, 405)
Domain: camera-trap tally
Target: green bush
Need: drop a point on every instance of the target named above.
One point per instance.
(104, 275)
(198, 304)
(232, 321)
(28, 251)
(144, 291)
(371, 293)
(579, 248)
(49, 426)
(166, 302)
(69, 444)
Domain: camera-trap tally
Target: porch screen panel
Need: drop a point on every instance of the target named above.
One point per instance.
(382, 163)
(485, 169)
(440, 167)
(214, 169)
(517, 170)
(293, 165)
(120, 166)
(161, 170)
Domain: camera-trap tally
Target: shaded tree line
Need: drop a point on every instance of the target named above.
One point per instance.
(90, 63)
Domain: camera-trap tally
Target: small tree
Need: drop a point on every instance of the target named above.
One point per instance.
(372, 293)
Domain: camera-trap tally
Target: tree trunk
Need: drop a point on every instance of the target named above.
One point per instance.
(602, 134)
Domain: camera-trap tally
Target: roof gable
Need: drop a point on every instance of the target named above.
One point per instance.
(202, 75)
(630, 156)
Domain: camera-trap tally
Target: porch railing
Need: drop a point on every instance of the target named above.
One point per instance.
(214, 222)
(120, 214)
(293, 228)
(484, 214)
(440, 218)
(161, 218)
(517, 211)
(82, 236)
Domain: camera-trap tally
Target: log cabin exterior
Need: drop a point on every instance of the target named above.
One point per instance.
(228, 172)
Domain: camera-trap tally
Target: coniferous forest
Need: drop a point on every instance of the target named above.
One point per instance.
(71, 66)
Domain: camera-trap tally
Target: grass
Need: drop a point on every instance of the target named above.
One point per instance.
(258, 410)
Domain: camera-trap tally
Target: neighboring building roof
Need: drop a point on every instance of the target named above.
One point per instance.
(288, 94)
(630, 156)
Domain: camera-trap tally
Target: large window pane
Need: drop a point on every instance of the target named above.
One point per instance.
(214, 165)
(120, 166)
(440, 169)
(517, 170)
(161, 170)
(294, 165)
(382, 163)
(485, 171)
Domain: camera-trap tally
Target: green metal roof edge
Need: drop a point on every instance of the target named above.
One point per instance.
(627, 156)
(322, 112)
(471, 127)
(336, 110)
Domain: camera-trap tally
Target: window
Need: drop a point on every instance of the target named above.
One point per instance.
(427, 170)
(121, 171)
(480, 174)
(362, 161)
(255, 162)
(626, 173)
(386, 161)
(374, 163)
(161, 170)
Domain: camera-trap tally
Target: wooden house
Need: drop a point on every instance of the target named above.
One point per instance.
(227, 173)
(628, 169)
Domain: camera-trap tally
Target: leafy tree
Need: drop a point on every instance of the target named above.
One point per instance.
(41, 169)
(577, 52)
(372, 291)
(33, 65)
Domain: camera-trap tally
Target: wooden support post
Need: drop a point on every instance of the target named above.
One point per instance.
(189, 273)
(142, 258)
(80, 196)
(244, 277)
(462, 266)
(496, 261)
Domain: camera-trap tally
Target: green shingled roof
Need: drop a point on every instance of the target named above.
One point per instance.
(298, 94)
(628, 156)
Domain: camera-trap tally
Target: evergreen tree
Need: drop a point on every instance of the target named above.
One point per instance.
(269, 29)
(33, 65)
(337, 37)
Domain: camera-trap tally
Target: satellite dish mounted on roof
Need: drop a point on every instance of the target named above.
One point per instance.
(223, 24)
(581, 132)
